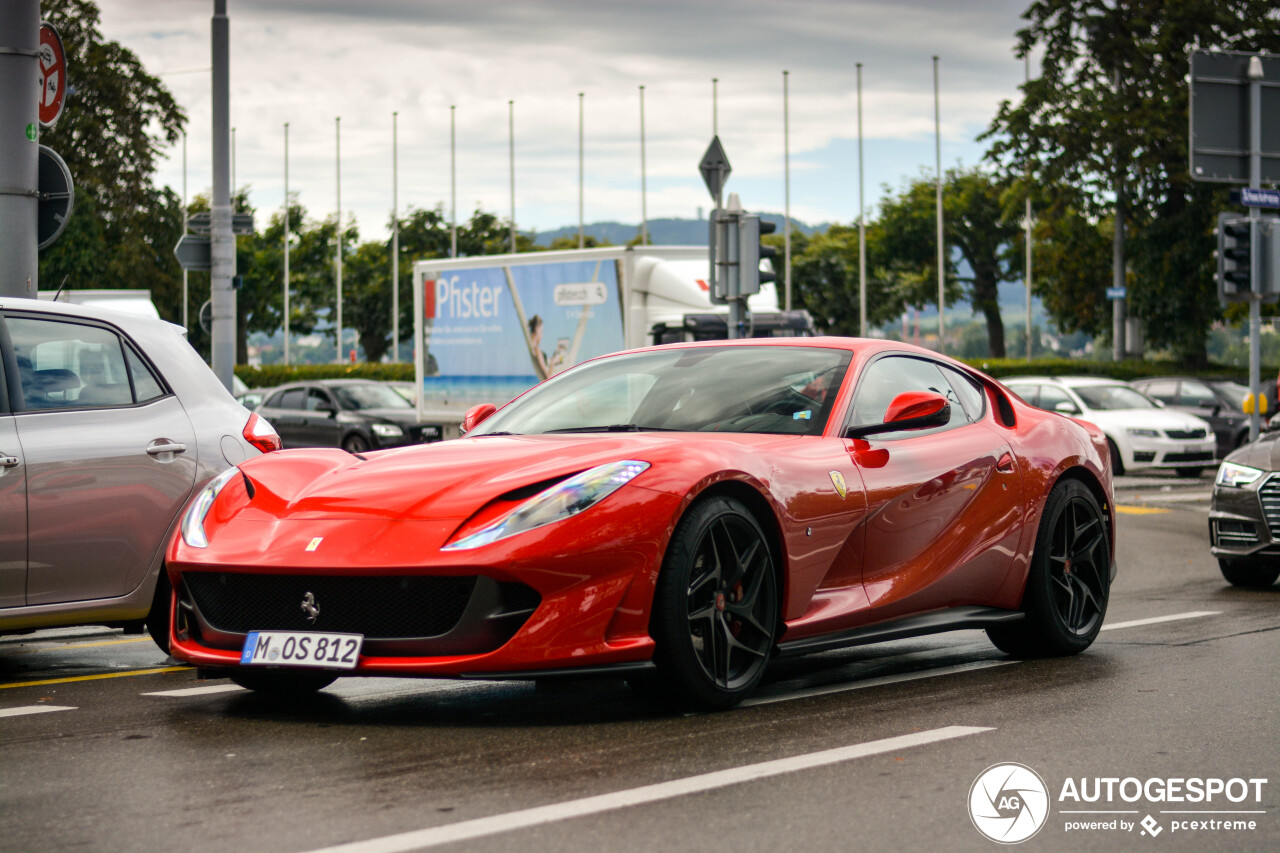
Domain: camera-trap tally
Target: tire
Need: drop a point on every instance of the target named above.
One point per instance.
(1189, 473)
(715, 610)
(1117, 462)
(1069, 582)
(283, 683)
(355, 443)
(158, 618)
(1251, 574)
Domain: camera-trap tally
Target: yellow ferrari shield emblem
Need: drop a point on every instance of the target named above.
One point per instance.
(837, 480)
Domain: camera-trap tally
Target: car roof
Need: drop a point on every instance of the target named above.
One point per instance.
(1067, 381)
(124, 319)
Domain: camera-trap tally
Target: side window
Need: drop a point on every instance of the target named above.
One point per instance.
(1051, 397)
(968, 391)
(1164, 390)
(1028, 394)
(885, 379)
(1197, 394)
(294, 398)
(68, 365)
(317, 400)
(145, 385)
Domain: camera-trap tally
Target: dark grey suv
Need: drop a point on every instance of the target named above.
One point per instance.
(354, 414)
(109, 422)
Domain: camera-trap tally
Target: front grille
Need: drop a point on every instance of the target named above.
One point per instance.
(1229, 532)
(1269, 494)
(424, 432)
(1187, 433)
(1198, 456)
(377, 607)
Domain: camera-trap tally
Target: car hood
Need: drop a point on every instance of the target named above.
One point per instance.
(1263, 454)
(1145, 419)
(451, 479)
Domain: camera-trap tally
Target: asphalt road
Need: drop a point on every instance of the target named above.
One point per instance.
(103, 746)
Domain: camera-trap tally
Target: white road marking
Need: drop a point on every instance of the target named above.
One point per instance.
(33, 709)
(198, 691)
(1156, 620)
(875, 682)
(495, 824)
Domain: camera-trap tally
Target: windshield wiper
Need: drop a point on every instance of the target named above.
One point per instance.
(614, 428)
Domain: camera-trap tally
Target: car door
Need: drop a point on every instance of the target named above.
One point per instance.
(110, 457)
(13, 507)
(944, 505)
(284, 411)
(320, 419)
(1198, 399)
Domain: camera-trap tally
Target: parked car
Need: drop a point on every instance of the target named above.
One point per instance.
(109, 422)
(251, 398)
(1220, 403)
(354, 414)
(1140, 433)
(1244, 516)
(679, 515)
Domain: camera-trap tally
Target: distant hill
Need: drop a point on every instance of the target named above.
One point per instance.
(662, 232)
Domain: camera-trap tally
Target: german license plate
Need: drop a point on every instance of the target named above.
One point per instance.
(302, 648)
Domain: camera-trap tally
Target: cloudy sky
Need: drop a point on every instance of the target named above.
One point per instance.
(307, 62)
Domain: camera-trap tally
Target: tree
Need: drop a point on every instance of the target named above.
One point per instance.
(116, 119)
(1108, 117)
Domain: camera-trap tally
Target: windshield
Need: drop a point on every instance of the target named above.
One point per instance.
(1104, 398)
(370, 396)
(773, 389)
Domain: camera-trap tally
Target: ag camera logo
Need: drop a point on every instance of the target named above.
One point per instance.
(1008, 803)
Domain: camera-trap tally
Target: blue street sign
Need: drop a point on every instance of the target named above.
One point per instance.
(1253, 197)
(1116, 292)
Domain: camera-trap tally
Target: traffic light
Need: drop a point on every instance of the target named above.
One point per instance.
(752, 252)
(1235, 253)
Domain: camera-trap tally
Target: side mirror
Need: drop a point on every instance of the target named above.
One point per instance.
(1066, 407)
(326, 407)
(476, 415)
(909, 410)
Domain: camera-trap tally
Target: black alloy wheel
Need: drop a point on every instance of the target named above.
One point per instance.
(716, 606)
(1069, 581)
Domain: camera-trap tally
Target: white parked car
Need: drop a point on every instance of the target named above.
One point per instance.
(1141, 432)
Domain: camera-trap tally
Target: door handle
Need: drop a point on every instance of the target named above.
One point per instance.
(9, 462)
(1005, 465)
(165, 446)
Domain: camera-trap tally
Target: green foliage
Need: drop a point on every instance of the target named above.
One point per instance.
(1108, 111)
(271, 375)
(1123, 370)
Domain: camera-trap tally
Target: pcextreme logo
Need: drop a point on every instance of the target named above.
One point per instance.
(1008, 803)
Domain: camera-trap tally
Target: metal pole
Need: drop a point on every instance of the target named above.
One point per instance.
(1255, 296)
(286, 242)
(453, 185)
(582, 237)
(222, 242)
(185, 324)
(337, 137)
(786, 168)
(511, 150)
(19, 148)
(1027, 71)
(937, 135)
(644, 197)
(395, 239)
(233, 162)
(715, 107)
(1117, 257)
(862, 225)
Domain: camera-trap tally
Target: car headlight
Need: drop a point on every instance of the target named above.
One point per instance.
(559, 502)
(1144, 433)
(193, 519)
(1231, 474)
(387, 431)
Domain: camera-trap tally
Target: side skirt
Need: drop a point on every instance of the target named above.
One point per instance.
(951, 619)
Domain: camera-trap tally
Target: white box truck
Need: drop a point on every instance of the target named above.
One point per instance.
(487, 329)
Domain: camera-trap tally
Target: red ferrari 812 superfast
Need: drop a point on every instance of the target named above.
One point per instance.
(679, 516)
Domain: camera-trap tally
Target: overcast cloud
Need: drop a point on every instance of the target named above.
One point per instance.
(307, 61)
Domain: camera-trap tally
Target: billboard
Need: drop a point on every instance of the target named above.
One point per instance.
(490, 333)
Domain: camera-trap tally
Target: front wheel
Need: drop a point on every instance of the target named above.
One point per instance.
(1254, 574)
(1117, 461)
(283, 683)
(1069, 581)
(715, 611)
(158, 617)
(355, 443)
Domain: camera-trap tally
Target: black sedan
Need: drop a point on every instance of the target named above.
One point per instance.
(1218, 402)
(1244, 518)
(354, 414)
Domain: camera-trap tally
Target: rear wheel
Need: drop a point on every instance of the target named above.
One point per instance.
(1249, 573)
(281, 683)
(1069, 581)
(158, 618)
(715, 608)
(1117, 462)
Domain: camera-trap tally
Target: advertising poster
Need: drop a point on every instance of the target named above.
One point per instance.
(491, 333)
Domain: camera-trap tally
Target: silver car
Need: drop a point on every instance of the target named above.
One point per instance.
(108, 423)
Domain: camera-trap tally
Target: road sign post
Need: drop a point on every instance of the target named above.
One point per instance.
(715, 170)
(53, 74)
(19, 154)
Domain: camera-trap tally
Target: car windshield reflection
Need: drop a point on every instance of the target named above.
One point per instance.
(371, 396)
